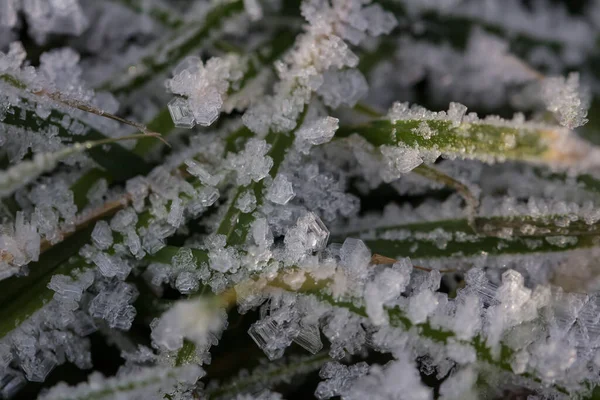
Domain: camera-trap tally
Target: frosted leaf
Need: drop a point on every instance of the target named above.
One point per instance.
(246, 203)
(345, 87)
(424, 130)
(566, 100)
(102, 235)
(181, 114)
(281, 190)
(399, 160)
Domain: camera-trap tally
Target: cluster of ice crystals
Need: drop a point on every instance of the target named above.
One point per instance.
(316, 132)
(252, 163)
(221, 258)
(307, 236)
(566, 99)
(375, 382)
(204, 87)
(113, 305)
(19, 244)
(399, 160)
(45, 17)
(385, 287)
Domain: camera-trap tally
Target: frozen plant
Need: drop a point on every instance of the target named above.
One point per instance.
(270, 199)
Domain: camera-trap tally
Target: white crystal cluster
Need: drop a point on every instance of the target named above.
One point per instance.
(385, 250)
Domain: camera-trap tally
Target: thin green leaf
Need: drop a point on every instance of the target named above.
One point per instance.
(118, 161)
(484, 140)
(26, 171)
(493, 236)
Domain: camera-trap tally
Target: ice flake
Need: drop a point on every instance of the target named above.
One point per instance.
(181, 114)
(252, 163)
(113, 304)
(111, 266)
(355, 256)
(222, 258)
(102, 235)
(399, 160)
(281, 190)
(566, 100)
(345, 87)
(316, 132)
(246, 203)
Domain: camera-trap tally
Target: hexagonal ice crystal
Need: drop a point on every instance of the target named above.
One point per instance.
(181, 114)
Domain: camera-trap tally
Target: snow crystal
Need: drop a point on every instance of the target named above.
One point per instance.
(399, 160)
(316, 132)
(246, 203)
(281, 190)
(355, 256)
(345, 87)
(566, 100)
(111, 266)
(252, 163)
(205, 87)
(181, 114)
(221, 258)
(113, 304)
(102, 235)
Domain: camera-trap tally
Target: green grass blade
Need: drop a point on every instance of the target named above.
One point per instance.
(485, 141)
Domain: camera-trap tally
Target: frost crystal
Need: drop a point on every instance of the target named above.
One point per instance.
(181, 114)
(316, 132)
(246, 202)
(399, 160)
(281, 190)
(566, 100)
(252, 163)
